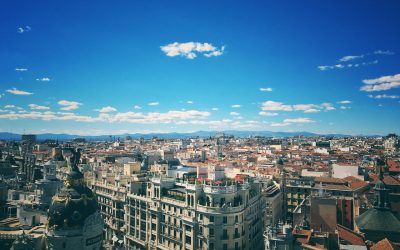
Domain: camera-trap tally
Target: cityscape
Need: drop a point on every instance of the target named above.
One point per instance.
(221, 125)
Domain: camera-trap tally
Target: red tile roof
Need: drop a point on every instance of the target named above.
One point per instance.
(394, 166)
(350, 236)
(355, 183)
(384, 244)
(387, 179)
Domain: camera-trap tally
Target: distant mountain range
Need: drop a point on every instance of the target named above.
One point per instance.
(236, 133)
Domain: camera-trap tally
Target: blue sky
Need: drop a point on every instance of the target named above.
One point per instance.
(110, 67)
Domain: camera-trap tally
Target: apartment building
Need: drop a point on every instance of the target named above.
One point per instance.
(164, 213)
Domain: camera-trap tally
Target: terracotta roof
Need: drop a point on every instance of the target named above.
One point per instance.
(355, 183)
(394, 166)
(350, 236)
(387, 179)
(329, 180)
(384, 244)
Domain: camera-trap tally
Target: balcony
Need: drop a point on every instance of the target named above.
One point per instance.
(226, 209)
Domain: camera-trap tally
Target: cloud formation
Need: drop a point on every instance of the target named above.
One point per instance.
(384, 96)
(264, 113)
(23, 29)
(383, 52)
(15, 91)
(153, 103)
(38, 107)
(21, 69)
(306, 108)
(345, 61)
(69, 105)
(348, 65)
(266, 89)
(190, 50)
(349, 58)
(43, 79)
(290, 121)
(381, 83)
(107, 109)
(236, 106)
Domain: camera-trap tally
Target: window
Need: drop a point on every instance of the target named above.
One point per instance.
(224, 219)
(211, 218)
(211, 246)
(225, 246)
(188, 240)
(211, 231)
(236, 218)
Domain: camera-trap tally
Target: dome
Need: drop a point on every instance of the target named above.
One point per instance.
(73, 203)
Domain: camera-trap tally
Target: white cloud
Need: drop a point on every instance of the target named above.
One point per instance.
(345, 107)
(214, 109)
(312, 111)
(384, 52)
(137, 107)
(43, 79)
(155, 117)
(234, 113)
(153, 103)
(107, 109)
(173, 117)
(21, 69)
(9, 106)
(381, 83)
(306, 108)
(327, 106)
(37, 107)
(345, 102)
(236, 106)
(298, 120)
(15, 91)
(349, 65)
(346, 59)
(189, 102)
(349, 58)
(190, 50)
(266, 89)
(384, 96)
(264, 113)
(69, 105)
(23, 29)
(277, 124)
(275, 106)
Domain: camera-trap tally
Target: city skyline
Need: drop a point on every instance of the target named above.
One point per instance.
(169, 67)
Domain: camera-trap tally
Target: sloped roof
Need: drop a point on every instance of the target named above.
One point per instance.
(350, 236)
(384, 244)
(378, 220)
